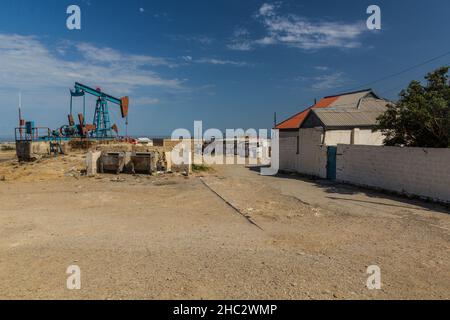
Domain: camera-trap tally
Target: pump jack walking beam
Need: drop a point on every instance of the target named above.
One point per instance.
(103, 127)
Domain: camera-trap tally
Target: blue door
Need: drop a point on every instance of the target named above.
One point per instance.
(331, 163)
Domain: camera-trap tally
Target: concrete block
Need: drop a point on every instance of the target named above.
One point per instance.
(143, 162)
(92, 162)
(168, 159)
(113, 162)
(32, 150)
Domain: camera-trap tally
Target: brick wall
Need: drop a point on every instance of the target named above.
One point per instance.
(313, 155)
(414, 171)
(288, 154)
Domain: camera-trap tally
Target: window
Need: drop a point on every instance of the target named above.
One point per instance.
(298, 144)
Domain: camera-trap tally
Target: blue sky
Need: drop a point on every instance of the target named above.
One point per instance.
(229, 63)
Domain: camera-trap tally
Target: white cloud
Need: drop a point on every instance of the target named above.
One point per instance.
(321, 68)
(213, 61)
(266, 41)
(240, 41)
(240, 46)
(201, 39)
(300, 32)
(323, 82)
(240, 32)
(145, 101)
(329, 81)
(141, 10)
(221, 62)
(108, 55)
(27, 64)
(267, 9)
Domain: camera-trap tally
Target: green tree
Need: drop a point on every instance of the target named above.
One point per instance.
(422, 116)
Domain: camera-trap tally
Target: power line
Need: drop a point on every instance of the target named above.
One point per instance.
(392, 89)
(401, 72)
(391, 76)
(397, 87)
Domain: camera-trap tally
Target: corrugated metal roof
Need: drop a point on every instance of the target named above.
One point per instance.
(364, 114)
(373, 105)
(350, 100)
(348, 118)
(363, 108)
(296, 121)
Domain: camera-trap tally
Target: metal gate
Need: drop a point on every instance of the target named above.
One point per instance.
(331, 163)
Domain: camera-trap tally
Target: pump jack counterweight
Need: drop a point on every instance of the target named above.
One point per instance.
(101, 127)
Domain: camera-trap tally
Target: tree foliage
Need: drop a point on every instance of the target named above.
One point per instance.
(421, 118)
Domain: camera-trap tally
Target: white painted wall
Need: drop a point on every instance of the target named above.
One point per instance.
(313, 156)
(355, 136)
(288, 153)
(367, 137)
(414, 171)
(335, 137)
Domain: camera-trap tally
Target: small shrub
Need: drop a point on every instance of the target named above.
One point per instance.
(7, 147)
(200, 168)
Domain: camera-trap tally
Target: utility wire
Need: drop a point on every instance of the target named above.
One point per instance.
(388, 77)
(397, 87)
(401, 72)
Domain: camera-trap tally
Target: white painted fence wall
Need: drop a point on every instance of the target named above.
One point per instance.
(288, 154)
(422, 172)
(312, 158)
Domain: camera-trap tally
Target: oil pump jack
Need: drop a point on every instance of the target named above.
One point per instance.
(101, 127)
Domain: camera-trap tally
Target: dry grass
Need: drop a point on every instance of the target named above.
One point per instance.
(42, 170)
(7, 147)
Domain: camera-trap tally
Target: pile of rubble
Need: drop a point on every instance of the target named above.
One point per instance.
(109, 156)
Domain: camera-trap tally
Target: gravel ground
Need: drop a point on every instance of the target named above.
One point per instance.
(230, 234)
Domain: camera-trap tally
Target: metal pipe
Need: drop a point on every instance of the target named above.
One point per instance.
(71, 104)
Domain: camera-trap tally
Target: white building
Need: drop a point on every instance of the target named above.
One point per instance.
(308, 139)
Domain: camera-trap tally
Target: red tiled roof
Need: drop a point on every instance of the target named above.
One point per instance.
(326, 102)
(296, 121)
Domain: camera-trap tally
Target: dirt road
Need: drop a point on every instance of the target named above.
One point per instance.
(176, 238)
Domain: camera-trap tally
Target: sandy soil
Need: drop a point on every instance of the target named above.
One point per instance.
(173, 237)
(42, 170)
(7, 155)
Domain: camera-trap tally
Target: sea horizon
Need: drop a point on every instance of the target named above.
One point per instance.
(11, 139)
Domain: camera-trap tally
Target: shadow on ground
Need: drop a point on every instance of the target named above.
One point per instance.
(338, 191)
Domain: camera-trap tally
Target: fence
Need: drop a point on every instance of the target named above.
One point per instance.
(423, 172)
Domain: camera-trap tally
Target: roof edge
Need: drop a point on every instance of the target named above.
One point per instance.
(351, 92)
(292, 117)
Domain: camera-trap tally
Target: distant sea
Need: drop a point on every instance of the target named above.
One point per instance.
(6, 138)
